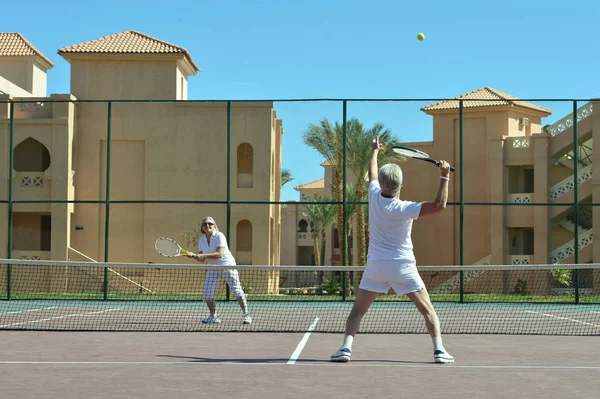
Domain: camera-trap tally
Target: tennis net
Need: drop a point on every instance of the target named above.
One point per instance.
(482, 299)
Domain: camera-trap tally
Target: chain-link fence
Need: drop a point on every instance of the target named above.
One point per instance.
(286, 180)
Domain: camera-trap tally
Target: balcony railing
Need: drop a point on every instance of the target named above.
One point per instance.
(31, 255)
(304, 238)
(568, 249)
(520, 259)
(566, 122)
(521, 142)
(522, 198)
(567, 185)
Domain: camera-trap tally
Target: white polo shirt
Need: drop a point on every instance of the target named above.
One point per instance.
(390, 226)
(216, 241)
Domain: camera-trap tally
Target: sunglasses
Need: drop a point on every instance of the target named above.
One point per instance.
(208, 224)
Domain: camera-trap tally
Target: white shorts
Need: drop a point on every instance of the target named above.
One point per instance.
(380, 276)
(232, 278)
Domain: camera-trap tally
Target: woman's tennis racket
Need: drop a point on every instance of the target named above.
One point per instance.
(416, 154)
(169, 248)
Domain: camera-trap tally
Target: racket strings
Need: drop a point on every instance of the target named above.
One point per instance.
(409, 154)
(167, 247)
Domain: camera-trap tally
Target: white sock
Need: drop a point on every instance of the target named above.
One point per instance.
(437, 344)
(348, 339)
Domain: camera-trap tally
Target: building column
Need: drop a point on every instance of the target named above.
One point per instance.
(541, 188)
(497, 194)
(60, 173)
(5, 175)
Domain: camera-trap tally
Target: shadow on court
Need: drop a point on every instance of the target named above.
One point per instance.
(189, 365)
(238, 360)
(278, 360)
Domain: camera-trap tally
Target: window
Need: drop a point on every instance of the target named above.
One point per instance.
(31, 156)
(520, 241)
(520, 179)
(245, 166)
(243, 242)
(303, 226)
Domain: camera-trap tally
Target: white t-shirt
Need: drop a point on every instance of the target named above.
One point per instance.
(390, 226)
(216, 241)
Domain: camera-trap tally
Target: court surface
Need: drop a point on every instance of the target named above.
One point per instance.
(36, 364)
(294, 316)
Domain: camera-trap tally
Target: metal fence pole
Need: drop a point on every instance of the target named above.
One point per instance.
(227, 234)
(11, 164)
(462, 196)
(576, 194)
(344, 243)
(107, 197)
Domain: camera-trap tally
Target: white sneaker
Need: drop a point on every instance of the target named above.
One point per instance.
(341, 355)
(213, 318)
(247, 319)
(442, 357)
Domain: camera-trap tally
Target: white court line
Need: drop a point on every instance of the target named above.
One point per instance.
(29, 310)
(565, 318)
(429, 366)
(59, 317)
(300, 346)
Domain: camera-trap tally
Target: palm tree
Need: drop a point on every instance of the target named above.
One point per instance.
(351, 212)
(321, 215)
(328, 140)
(359, 140)
(351, 209)
(286, 176)
(191, 238)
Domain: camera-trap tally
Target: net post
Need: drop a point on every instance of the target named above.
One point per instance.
(11, 164)
(576, 196)
(227, 235)
(345, 211)
(107, 197)
(462, 198)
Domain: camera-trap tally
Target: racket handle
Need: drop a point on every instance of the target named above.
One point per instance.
(437, 163)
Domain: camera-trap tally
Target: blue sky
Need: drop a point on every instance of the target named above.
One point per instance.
(267, 49)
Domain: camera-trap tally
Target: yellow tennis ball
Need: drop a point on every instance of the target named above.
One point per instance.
(421, 36)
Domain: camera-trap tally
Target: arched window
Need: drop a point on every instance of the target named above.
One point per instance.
(31, 156)
(243, 242)
(302, 226)
(245, 166)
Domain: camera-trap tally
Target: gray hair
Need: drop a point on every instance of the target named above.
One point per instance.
(390, 179)
(208, 219)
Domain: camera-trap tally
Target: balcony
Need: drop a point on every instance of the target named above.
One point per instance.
(521, 198)
(519, 216)
(519, 259)
(34, 110)
(518, 151)
(304, 239)
(31, 186)
(31, 255)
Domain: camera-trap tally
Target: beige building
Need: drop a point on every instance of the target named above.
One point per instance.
(173, 150)
(509, 156)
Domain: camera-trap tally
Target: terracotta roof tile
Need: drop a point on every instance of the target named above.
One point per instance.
(14, 44)
(129, 42)
(312, 185)
(484, 97)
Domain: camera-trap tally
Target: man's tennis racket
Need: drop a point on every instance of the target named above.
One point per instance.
(169, 248)
(416, 154)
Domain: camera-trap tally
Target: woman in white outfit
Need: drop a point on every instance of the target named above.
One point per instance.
(214, 250)
(390, 260)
